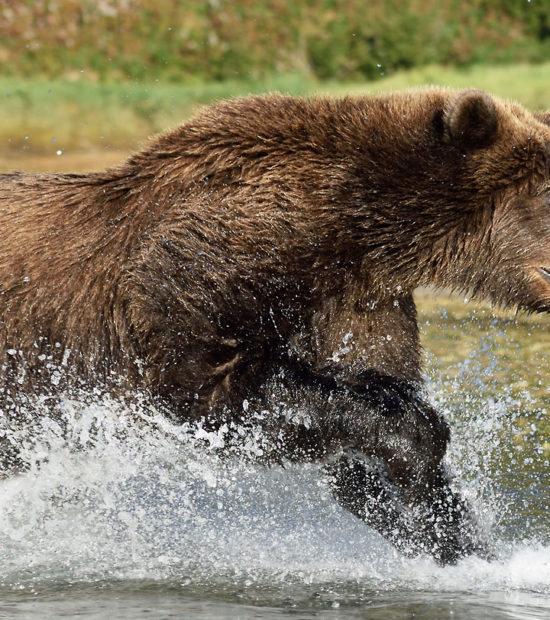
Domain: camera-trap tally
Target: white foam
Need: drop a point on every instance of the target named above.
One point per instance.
(119, 501)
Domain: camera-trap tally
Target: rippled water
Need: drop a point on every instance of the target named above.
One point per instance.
(127, 521)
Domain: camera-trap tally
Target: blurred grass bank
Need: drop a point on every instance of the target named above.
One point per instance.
(49, 123)
(206, 40)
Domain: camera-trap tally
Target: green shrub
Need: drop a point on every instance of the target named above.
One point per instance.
(251, 39)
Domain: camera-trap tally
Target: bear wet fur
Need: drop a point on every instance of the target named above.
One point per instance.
(268, 249)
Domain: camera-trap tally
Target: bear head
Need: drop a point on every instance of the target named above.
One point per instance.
(488, 198)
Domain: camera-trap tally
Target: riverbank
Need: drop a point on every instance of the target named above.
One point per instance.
(61, 118)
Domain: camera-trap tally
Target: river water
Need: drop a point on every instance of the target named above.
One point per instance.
(121, 520)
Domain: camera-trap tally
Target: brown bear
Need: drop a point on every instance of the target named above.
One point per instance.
(267, 251)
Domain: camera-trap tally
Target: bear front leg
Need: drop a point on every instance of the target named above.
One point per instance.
(441, 525)
(358, 374)
(391, 473)
(367, 491)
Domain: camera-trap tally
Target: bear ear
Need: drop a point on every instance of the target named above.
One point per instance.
(471, 120)
(543, 117)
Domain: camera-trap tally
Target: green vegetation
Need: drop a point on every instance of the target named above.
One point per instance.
(83, 114)
(527, 84)
(85, 74)
(43, 116)
(225, 39)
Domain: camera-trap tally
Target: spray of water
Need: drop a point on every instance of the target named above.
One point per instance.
(119, 493)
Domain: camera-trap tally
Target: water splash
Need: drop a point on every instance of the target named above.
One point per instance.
(119, 500)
